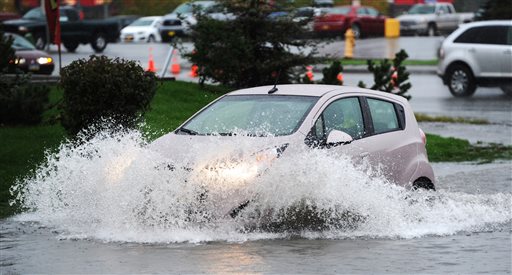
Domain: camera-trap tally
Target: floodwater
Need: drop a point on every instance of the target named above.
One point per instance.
(314, 213)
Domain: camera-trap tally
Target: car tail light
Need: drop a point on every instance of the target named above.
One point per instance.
(423, 137)
(440, 53)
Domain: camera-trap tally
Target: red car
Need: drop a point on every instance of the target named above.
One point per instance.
(29, 59)
(365, 21)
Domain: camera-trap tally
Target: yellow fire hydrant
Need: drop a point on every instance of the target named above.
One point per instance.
(350, 43)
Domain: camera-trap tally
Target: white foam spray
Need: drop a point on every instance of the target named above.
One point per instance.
(114, 188)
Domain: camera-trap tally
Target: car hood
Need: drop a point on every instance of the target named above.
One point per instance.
(31, 54)
(412, 17)
(21, 22)
(193, 148)
(136, 29)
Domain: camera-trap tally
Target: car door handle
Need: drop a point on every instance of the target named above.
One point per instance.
(364, 154)
(507, 52)
(472, 50)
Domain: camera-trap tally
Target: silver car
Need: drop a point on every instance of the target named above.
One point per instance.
(373, 127)
(477, 54)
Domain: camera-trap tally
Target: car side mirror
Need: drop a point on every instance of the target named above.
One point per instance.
(337, 137)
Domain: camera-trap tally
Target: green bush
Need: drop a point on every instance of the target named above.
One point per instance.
(21, 102)
(102, 88)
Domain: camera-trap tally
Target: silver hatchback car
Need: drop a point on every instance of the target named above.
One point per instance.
(371, 126)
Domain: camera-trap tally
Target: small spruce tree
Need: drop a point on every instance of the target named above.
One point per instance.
(390, 77)
(250, 49)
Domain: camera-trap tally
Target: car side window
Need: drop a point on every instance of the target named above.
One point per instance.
(509, 39)
(384, 116)
(361, 11)
(443, 9)
(343, 115)
(496, 35)
(373, 12)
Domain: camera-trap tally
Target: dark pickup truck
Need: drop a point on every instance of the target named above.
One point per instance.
(74, 30)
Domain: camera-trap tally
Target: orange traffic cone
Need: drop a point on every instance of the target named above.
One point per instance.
(151, 63)
(175, 67)
(193, 70)
(309, 73)
(394, 78)
(340, 78)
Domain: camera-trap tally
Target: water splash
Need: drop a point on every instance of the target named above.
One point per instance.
(114, 187)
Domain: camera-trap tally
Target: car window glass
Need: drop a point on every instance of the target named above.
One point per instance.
(443, 9)
(344, 115)
(319, 128)
(253, 114)
(509, 40)
(421, 9)
(372, 11)
(343, 10)
(36, 13)
(184, 8)
(496, 35)
(383, 116)
(361, 11)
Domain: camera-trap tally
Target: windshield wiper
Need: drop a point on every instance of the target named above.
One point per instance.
(187, 131)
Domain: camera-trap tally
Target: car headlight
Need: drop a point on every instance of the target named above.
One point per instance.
(239, 171)
(20, 61)
(22, 29)
(44, 60)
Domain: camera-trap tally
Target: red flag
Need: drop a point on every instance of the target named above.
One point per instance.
(51, 8)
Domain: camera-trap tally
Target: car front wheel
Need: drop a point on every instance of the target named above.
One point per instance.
(99, 42)
(71, 46)
(461, 81)
(356, 30)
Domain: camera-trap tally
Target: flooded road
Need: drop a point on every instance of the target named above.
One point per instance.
(89, 220)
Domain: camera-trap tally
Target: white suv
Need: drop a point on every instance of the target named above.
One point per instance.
(477, 54)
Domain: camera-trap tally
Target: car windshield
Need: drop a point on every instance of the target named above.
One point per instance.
(142, 22)
(342, 10)
(253, 115)
(36, 13)
(421, 9)
(21, 43)
(186, 8)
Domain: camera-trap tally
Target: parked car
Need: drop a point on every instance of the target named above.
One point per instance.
(74, 29)
(144, 29)
(364, 21)
(432, 19)
(29, 59)
(180, 21)
(477, 54)
(303, 15)
(377, 127)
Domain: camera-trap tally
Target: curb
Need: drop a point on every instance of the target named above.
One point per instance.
(360, 69)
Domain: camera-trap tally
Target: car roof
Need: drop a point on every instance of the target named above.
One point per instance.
(150, 17)
(489, 23)
(318, 90)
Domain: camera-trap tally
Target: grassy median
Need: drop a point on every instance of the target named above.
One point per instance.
(23, 147)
